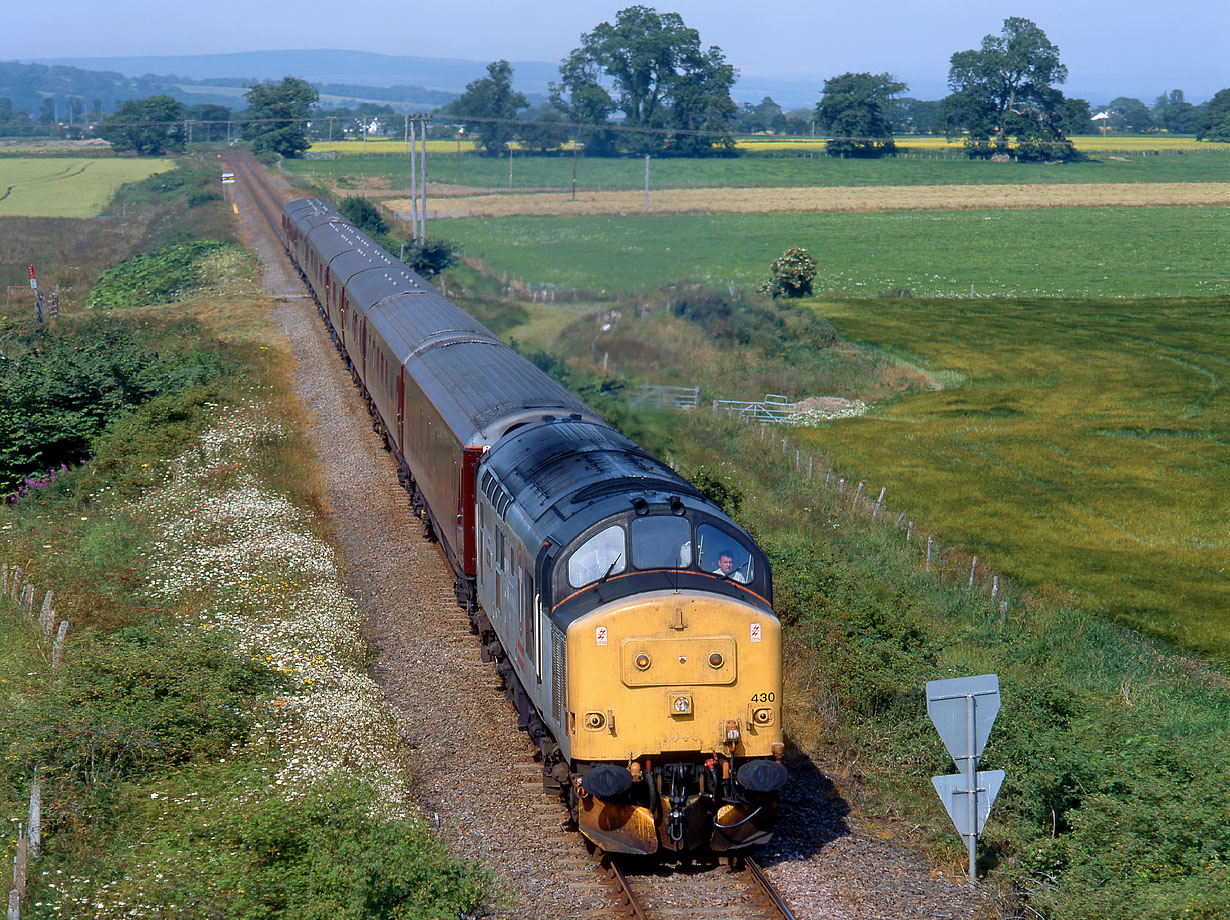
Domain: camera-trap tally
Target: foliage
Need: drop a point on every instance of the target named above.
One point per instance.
(1005, 88)
(138, 700)
(153, 276)
(488, 108)
(59, 396)
(363, 214)
(854, 110)
(431, 256)
(793, 273)
(1130, 116)
(147, 127)
(752, 322)
(1173, 113)
(328, 856)
(666, 84)
(277, 116)
(1214, 124)
(546, 131)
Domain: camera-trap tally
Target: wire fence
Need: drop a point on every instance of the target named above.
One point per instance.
(16, 588)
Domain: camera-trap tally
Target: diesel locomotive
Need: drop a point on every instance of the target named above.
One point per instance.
(630, 618)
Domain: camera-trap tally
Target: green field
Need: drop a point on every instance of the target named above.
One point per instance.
(1081, 443)
(1211, 165)
(67, 186)
(1058, 252)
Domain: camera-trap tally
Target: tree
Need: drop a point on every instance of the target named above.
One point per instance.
(854, 112)
(663, 79)
(547, 129)
(1073, 116)
(792, 274)
(215, 118)
(1007, 84)
(1130, 115)
(430, 257)
(914, 116)
(1214, 122)
(766, 117)
(1174, 113)
(147, 127)
(488, 108)
(364, 215)
(277, 117)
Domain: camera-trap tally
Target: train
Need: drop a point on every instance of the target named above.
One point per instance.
(630, 618)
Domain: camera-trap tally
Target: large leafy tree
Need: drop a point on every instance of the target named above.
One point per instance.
(1007, 86)
(662, 77)
(855, 110)
(1130, 115)
(489, 108)
(147, 127)
(1174, 113)
(277, 116)
(1214, 122)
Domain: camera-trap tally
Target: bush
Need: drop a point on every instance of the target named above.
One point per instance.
(792, 274)
(152, 277)
(61, 394)
(364, 215)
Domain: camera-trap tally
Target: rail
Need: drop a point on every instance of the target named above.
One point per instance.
(769, 889)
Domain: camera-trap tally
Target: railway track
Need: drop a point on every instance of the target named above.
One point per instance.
(593, 884)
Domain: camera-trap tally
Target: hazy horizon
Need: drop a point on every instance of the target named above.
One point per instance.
(1134, 49)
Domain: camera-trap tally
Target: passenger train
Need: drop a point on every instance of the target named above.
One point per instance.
(630, 618)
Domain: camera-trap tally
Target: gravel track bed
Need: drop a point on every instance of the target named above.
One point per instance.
(473, 773)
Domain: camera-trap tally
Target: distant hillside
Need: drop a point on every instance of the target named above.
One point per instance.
(360, 68)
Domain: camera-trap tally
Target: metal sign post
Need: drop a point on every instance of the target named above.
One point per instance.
(963, 710)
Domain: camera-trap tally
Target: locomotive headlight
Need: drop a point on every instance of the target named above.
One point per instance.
(682, 705)
(594, 720)
(762, 716)
(716, 660)
(642, 661)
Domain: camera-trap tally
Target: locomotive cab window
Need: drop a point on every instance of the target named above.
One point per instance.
(661, 542)
(602, 554)
(724, 555)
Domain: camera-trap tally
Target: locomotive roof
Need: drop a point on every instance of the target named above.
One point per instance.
(483, 388)
(569, 465)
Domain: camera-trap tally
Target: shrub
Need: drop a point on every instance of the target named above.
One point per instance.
(364, 215)
(151, 277)
(792, 274)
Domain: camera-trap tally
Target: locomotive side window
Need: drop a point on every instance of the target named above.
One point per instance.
(603, 553)
(721, 553)
(661, 542)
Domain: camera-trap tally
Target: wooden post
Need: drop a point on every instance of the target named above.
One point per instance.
(827, 473)
(929, 539)
(19, 862)
(995, 586)
(57, 647)
(879, 501)
(798, 459)
(811, 466)
(900, 518)
(1003, 612)
(841, 486)
(15, 584)
(4, 578)
(27, 598)
(47, 618)
(909, 532)
(972, 568)
(14, 911)
(857, 493)
(36, 816)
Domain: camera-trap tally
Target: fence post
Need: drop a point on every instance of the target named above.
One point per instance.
(811, 466)
(14, 911)
(36, 816)
(972, 568)
(909, 532)
(900, 518)
(47, 618)
(995, 587)
(857, 492)
(27, 598)
(929, 539)
(841, 486)
(798, 459)
(879, 501)
(57, 647)
(4, 578)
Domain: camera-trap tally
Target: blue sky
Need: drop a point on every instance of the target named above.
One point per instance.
(1134, 47)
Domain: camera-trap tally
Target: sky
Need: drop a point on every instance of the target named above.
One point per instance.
(1138, 48)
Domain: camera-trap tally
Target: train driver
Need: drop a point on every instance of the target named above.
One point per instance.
(726, 567)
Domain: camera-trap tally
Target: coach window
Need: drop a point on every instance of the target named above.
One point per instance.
(721, 553)
(602, 554)
(661, 542)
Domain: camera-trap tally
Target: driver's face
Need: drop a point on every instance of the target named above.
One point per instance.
(726, 564)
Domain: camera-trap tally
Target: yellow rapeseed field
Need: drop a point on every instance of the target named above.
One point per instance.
(68, 186)
(1109, 144)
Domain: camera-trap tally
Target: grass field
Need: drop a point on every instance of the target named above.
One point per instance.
(392, 170)
(1058, 252)
(68, 186)
(1086, 444)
